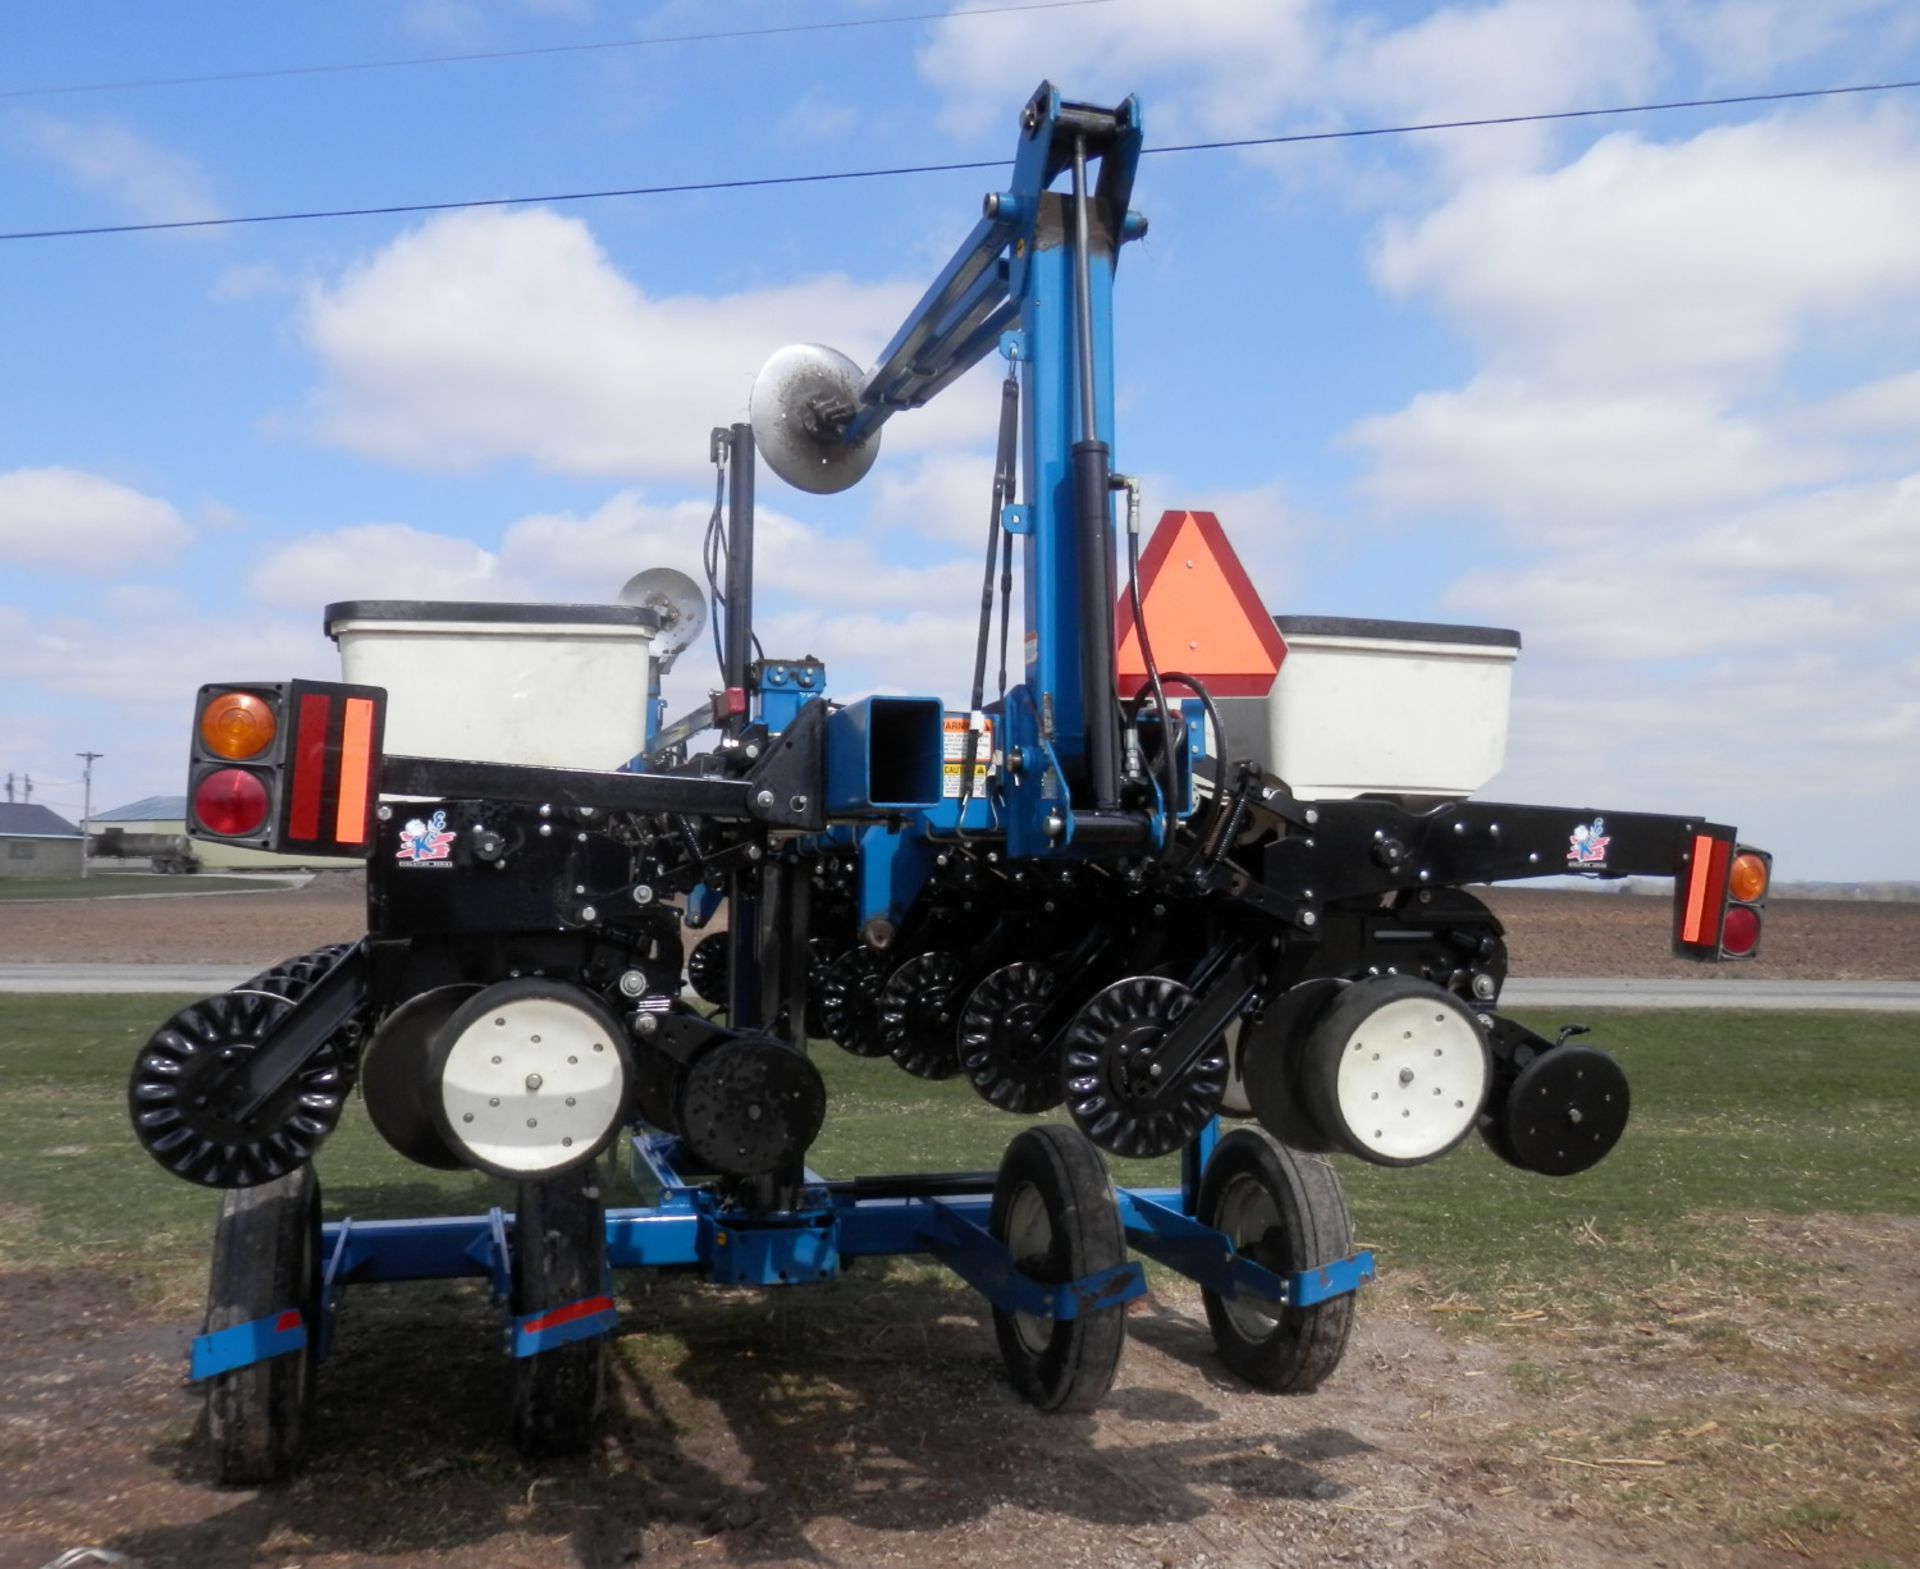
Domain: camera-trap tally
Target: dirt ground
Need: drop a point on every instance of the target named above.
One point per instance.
(1549, 933)
(870, 1424)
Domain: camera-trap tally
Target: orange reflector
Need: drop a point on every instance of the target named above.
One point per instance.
(238, 725)
(1693, 929)
(1748, 879)
(356, 757)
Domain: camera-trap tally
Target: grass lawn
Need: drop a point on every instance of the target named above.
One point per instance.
(113, 885)
(1734, 1114)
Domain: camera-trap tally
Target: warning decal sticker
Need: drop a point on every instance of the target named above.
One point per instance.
(954, 754)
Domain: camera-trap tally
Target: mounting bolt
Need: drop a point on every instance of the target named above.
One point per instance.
(385, 814)
(753, 852)
(588, 913)
(642, 893)
(534, 1081)
(753, 750)
(647, 1024)
(1313, 816)
(763, 800)
(546, 830)
(806, 678)
(797, 804)
(633, 983)
(586, 811)
(1308, 918)
(1483, 986)
(1056, 825)
(579, 887)
(545, 810)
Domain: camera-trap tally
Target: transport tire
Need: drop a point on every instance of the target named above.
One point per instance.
(1285, 1211)
(559, 1257)
(1054, 1209)
(266, 1260)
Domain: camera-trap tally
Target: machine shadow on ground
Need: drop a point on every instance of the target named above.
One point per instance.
(746, 1425)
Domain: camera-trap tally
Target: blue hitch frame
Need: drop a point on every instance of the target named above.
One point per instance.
(685, 1228)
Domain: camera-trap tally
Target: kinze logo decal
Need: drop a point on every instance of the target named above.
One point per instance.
(1588, 844)
(425, 842)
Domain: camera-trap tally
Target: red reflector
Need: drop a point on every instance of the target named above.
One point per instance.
(287, 1321)
(733, 702)
(573, 1311)
(231, 802)
(309, 767)
(1740, 935)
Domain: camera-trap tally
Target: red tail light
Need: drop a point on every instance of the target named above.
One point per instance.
(231, 802)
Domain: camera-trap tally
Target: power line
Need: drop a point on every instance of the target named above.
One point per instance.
(765, 181)
(267, 73)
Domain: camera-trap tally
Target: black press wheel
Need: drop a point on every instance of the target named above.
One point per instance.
(1054, 1209)
(559, 1257)
(266, 1261)
(1286, 1212)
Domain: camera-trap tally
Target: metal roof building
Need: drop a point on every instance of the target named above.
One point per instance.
(36, 841)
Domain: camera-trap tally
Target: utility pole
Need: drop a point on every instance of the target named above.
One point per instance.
(29, 790)
(9, 789)
(86, 802)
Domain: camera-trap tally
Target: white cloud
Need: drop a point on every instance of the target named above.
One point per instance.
(153, 184)
(1231, 68)
(1706, 259)
(366, 560)
(1549, 459)
(156, 658)
(82, 523)
(817, 116)
(815, 591)
(1745, 40)
(486, 336)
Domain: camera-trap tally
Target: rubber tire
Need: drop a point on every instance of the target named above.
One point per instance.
(1306, 1344)
(266, 1259)
(559, 1256)
(1075, 1369)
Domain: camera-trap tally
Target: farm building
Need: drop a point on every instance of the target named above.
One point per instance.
(157, 824)
(37, 842)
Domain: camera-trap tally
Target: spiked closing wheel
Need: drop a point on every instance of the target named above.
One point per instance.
(707, 969)
(1002, 1051)
(1125, 1090)
(916, 1011)
(188, 1096)
(849, 998)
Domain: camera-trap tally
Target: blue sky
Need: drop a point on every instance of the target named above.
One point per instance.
(1647, 390)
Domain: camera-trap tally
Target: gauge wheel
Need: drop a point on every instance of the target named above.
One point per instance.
(1284, 1210)
(559, 1257)
(1054, 1211)
(266, 1262)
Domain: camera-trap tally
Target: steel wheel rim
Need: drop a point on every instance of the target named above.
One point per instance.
(1030, 1235)
(1246, 1214)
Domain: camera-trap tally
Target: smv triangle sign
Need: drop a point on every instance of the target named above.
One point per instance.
(1203, 617)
